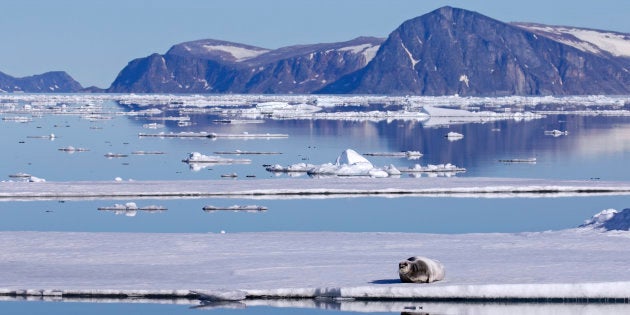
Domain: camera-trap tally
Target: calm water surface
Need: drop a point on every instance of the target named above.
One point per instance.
(309, 307)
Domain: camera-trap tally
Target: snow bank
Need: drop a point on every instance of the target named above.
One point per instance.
(609, 220)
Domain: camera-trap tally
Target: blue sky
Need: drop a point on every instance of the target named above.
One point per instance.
(94, 39)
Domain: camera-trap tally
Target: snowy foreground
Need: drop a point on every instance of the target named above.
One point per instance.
(306, 188)
(577, 264)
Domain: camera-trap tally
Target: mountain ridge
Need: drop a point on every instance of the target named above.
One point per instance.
(48, 82)
(225, 67)
(452, 51)
(448, 51)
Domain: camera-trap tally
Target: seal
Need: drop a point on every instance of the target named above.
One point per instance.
(420, 269)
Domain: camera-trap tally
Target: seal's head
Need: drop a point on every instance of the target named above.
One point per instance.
(414, 269)
(404, 267)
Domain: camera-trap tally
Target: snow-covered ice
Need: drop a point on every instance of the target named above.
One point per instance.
(577, 264)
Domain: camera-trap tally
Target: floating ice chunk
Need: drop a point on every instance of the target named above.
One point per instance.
(378, 173)
(245, 208)
(196, 157)
(20, 175)
(556, 133)
(351, 157)
(392, 170)
(111, 155)
(452, 136)
(34, 179)
(71, 149)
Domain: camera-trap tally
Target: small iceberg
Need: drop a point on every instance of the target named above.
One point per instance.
(556, 133)
(349, 163)
(454, 136)
(197, 161)
(196, 157)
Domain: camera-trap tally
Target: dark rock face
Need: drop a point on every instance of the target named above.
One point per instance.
(452, 51)
(49, 82)
(209, 66)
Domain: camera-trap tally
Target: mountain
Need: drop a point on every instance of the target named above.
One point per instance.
(212, 66)
(55, 81)
(445, 52)
(454, 51)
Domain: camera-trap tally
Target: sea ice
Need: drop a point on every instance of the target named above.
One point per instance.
(490, 266)
(609, 220)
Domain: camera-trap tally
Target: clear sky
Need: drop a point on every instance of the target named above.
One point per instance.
(94, 39)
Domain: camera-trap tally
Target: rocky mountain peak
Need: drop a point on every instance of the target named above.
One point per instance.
(453, 51)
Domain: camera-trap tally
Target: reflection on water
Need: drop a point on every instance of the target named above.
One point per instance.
(255, 307)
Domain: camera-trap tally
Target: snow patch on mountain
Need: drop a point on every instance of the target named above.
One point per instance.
(368, 50)
(413, 61)
(588, 40)
(239, 53)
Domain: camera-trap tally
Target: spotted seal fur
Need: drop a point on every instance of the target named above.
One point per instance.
(420, 269)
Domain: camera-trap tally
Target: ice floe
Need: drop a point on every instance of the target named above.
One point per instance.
(323, 265)
(454, 136)
(412, 155)
(212, 135)
(71, 149)
(433, 168)
(334, 187)
(244, 208)
(197, 161)
(556, 133)
(519, 160)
